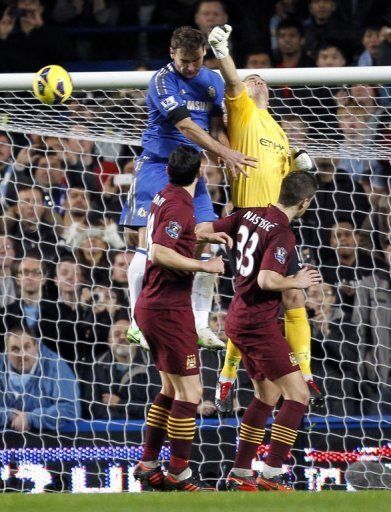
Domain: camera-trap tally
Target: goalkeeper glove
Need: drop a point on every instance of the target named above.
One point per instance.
(301, 160)
(218, 40)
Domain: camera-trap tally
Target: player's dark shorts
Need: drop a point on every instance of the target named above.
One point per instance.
(150, 178)
(264, 354)
(172, 338)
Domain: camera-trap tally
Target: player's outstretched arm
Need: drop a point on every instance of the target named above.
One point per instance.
(168, 258)
(218, 40)
(273, 281)
(215, 238)
(234, 160)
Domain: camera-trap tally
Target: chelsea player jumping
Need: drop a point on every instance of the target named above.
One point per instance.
(184, 103)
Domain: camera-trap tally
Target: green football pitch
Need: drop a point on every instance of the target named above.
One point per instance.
(326, 501)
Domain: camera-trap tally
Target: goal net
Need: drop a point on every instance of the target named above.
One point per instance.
(73, 404)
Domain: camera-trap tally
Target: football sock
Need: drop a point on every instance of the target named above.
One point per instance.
(202, 296)
(252, 431)
(284, 432)
(231, 362)
(181, 430)
(156, 430)
(135, 278)
(298, 335)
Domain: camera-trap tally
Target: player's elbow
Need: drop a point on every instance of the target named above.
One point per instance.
(266, 281)
(155, 254)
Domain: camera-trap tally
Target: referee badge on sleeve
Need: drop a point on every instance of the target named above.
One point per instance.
(280, 255)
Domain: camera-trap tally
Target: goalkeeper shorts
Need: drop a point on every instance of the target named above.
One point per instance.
(150, 178)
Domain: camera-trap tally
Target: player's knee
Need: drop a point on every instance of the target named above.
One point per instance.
(301, 395)
(293, 299)
(191, 393)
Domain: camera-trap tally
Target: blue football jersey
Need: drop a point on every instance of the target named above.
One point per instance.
(202, 95)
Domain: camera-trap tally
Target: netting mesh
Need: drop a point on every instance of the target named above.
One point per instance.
(72, 407)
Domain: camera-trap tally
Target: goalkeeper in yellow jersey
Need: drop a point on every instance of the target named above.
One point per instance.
(253, 131)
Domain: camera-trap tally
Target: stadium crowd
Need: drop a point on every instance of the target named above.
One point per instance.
(277, 33)
(64, 261)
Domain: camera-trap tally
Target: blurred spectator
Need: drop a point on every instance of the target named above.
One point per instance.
(372, 313)
(33, 226)
(258, 58)
(27, 43)
(86, 12)
(210, 60)
(124, 384)
(296, 129)
(115, 190)
(284, 9)
(120, 262)
(370, 41)
(80, 156)
(347, 265)
(8, 175)
(217, 185)
(290, 52)
(91, 252)
(7, 280)
(68, 330)
(359, 13)
(338, 195)
(384, 49)
(330, 54)
(37, 390)
(324, 24)
(49, 175)
(210, 13)
(32, 309)
(76, 206)
(334, 351)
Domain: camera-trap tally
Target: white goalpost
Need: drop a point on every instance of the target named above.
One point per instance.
(65, 173)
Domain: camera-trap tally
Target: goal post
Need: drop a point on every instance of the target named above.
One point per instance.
(65, 173)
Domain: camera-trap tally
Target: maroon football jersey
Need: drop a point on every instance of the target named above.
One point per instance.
(170, 223)
(264, 241)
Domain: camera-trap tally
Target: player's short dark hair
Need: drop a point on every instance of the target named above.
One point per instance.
(221, 2)
(183, 165)
(297, 186)
(188, 38)
(330, 43)
(290, 23)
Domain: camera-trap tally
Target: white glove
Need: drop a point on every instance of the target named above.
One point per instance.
(301, 160)
(218, 40)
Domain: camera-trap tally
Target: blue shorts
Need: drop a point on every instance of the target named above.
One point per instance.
(150, 178)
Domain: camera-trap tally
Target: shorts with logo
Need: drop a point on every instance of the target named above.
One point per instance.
(150, 178)
(172, 338)
(265, 354)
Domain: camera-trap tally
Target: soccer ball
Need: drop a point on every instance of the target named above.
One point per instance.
(52, 85)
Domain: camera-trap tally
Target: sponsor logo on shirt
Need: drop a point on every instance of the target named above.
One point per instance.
(173, 229)
(191, 362)
(280, 255)
(270, 144)
(169, 103)
(199, 105)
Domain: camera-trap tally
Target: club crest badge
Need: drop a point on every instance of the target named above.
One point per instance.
(191, 362)
(173, 229)
(211, 92)
(280, 255)
(142, 212)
